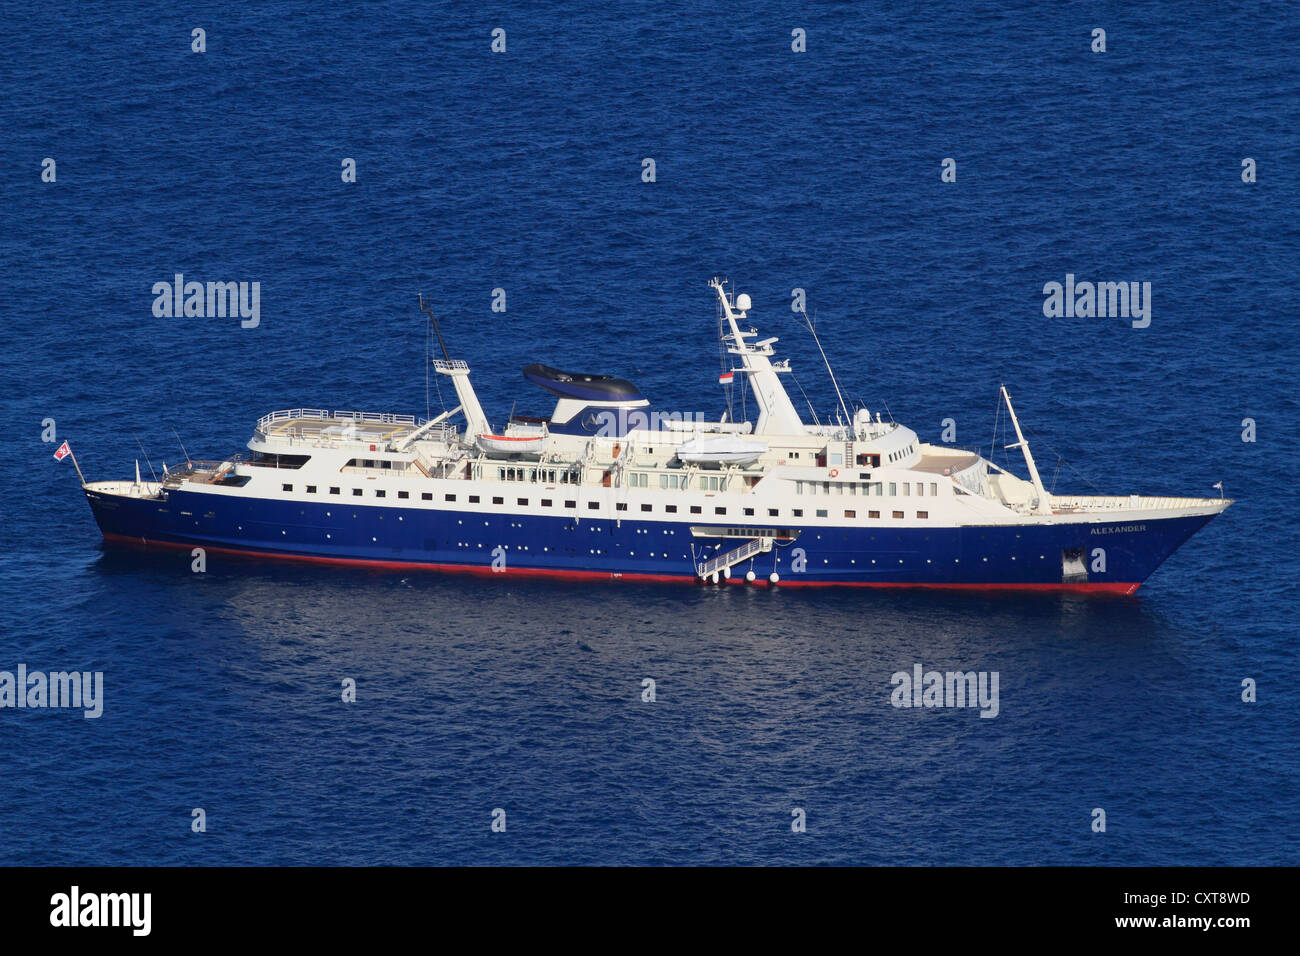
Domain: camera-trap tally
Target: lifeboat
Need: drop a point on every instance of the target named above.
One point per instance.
(518, 440)
(727, 450)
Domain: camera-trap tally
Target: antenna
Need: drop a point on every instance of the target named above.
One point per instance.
(428, 310)
(838, 394)
(146, 458)
(182, 444)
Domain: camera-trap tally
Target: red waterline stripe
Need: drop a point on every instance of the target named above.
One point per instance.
(1107, 587)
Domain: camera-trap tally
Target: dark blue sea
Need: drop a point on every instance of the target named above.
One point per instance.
(522, 171)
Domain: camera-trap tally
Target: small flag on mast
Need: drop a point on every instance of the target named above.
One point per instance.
(725, 378)
(62, 452)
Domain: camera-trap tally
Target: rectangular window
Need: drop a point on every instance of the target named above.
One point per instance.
(797, 512)
(719, 511)
(403, 494)
(448, 497)
(920, 489)
(671, 509)
(647, 507)
(570, 504)
(426, 496)
(773, 512)
(593, 505)
(522, 501)
(907, 488)
(287, 487)
(311, 489)
(546, 502)
(498, 501)
(850, 514)
(695, 509)
(334, 491)
(923, 514)
(381, 494)
(356, 492)
(821, 512)
(620, 506)
(663, 481)
(473, 499)
(873, 514)
(749, 512)
(893, 489)
(898, 514)
(934, 489)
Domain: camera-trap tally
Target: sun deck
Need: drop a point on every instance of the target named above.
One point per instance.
(945, 464)
(320, 426)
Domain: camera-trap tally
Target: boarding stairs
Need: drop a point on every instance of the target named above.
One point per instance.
(730, 559)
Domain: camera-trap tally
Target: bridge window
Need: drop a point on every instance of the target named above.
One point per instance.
(279, 461)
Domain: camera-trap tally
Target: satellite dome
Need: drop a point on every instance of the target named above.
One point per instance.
(742, 302)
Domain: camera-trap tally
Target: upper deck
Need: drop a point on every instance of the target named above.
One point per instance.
(322, 428)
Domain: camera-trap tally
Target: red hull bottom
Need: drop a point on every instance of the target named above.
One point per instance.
(1108, 587)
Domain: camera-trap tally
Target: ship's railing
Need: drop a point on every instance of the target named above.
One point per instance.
(324, 415)
(446, 365)
(1124, 502)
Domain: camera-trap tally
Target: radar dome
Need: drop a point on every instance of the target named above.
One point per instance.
(742, 302)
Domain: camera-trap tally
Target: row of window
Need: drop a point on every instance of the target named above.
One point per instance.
(876, 488)
(595, 505)
(548, 476)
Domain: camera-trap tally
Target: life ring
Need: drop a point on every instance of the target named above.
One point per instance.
(835, 472)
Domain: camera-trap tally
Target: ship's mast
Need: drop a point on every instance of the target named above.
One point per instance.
(476, 422)
(777, 414)
(1043, 506)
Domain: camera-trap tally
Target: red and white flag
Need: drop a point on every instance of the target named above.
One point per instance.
(725, 378)
(63, 452)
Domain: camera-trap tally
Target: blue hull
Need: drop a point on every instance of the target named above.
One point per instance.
(989, 556)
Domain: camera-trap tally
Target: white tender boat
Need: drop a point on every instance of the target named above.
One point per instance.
(726, 450)
(518, 440)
